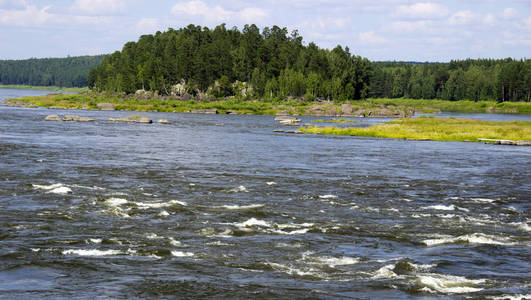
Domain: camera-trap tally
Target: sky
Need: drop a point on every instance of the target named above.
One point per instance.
(381, 30)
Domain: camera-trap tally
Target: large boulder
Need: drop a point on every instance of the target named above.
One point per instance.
(346, 109)
(53, 118)
(106, 106)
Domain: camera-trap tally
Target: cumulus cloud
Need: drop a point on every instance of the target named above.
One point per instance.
(217, 14)
(13, 4)
(371, 38)
(147, 25)
(422, 10)
(509, 13)
(98, 7)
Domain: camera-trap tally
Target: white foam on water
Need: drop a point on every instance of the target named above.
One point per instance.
(440, 207)
(253, 222)
(271, 183)
(191, 184)
(152, 236)
(182, 203)
(92, 188)
(295, 271)
(96, 241)
(182, 254)
(238, 207)
(57, 188)
(47, 187)
(61, 190)
(448, 284)
(521, 225)
(393, 209)
(384, 272)
(299, 231)
(511, 297)
(482, 200)
(91, 252)
(327, 196)
(35, 249)
(407, 200)
(174, 242)
(163, 214)
(474, 238)
(452, 198)
(241, 188)
(337, 261)
(115, 201)
(218, 243)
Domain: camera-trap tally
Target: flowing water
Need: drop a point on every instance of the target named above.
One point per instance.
(194, 209)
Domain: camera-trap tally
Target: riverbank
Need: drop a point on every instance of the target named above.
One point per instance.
(45, 88)
(229, 106)
(436, 129)
(367, 108)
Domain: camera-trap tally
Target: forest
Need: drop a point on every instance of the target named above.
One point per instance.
(61, 72)
(275, 64)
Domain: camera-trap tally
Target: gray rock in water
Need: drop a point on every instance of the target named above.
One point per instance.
(74, 118)
(205, 111)
(163, 121)
(53, 118)
(346, 109)
(106, 106)
(133, 119)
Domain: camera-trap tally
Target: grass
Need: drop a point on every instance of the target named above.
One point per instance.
(437, 129)
(44, 88)
(462, 106)
(89, 100)
(334, 121)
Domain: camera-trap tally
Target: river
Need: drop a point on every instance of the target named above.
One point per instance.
(220, 206)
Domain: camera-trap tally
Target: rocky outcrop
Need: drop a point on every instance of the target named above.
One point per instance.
(106, 106)
(19, 104)
(346, 109)
(74, 118)
(204, 111)
(53, 118)
(133, 119)
(163, 121)
(69, 118)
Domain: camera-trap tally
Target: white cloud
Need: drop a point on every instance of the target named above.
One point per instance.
(371, 38)
(98, 7)
(422, 10)
(12, 4)
(31, 16)
(509, 13)
(463, 17)
(217, 14)
(147, 25)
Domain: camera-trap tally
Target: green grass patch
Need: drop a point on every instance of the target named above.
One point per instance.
(462, 106)
(89, 100)
(334, 121)
(437, 129)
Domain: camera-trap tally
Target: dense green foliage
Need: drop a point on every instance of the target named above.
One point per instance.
(272, 62)
(61, 72)
(482, 79)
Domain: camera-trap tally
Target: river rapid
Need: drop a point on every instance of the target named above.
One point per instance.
(220, 206)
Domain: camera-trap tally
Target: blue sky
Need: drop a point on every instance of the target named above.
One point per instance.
(435, 30)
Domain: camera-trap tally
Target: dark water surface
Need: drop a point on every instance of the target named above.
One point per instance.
(196, 210)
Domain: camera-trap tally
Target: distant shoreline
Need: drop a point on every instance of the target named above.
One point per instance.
(44, 88)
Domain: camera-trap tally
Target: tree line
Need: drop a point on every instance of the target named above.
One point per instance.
(471, 79)
(62, 72)
(271, 63)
